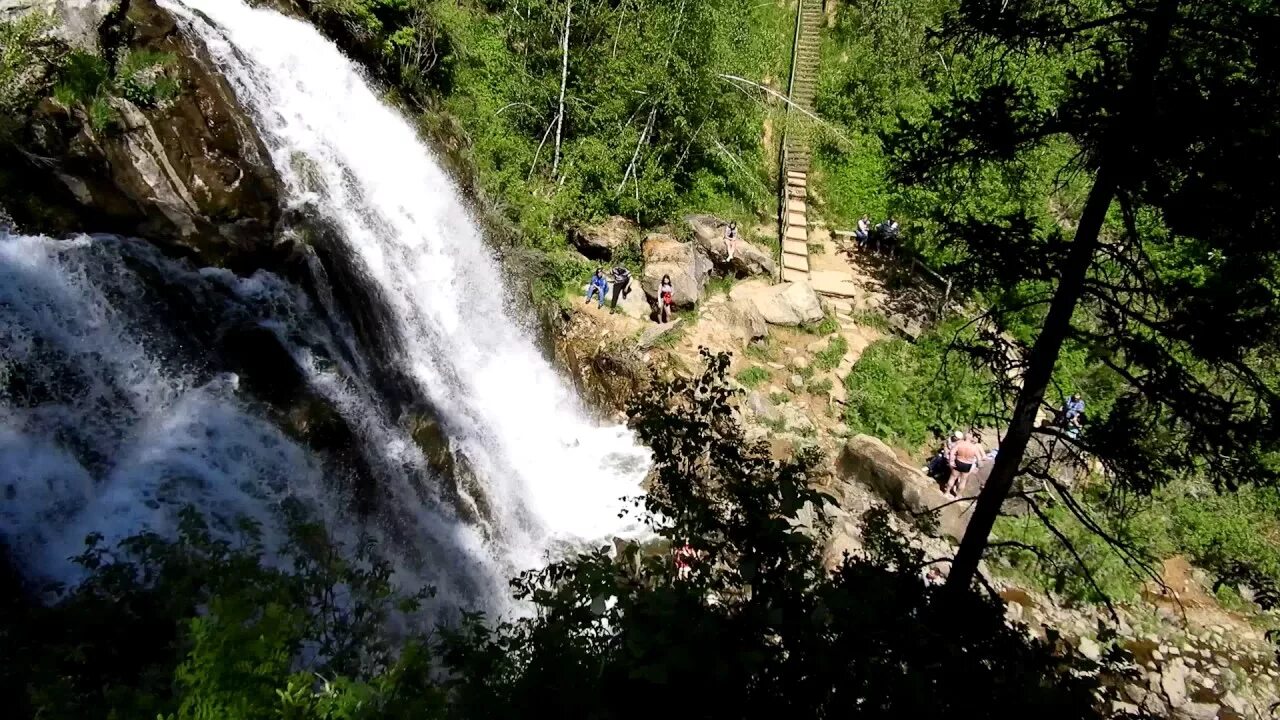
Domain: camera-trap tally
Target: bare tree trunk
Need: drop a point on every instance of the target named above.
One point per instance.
(1116, 155)
(564, 81)
(1044, 356)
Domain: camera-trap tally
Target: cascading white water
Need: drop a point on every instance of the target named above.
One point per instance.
(551, 475)
(104, 427)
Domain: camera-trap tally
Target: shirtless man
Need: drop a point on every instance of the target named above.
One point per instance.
(966, 456)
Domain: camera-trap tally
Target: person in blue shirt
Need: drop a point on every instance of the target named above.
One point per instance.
(1073, 415)
(598, 285)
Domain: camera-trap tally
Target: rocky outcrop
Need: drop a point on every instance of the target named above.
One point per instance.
(688, 268)
(188, 172)
(869, 461)
(785, 304)
(708, 233)
(598, 242)
(78, 23)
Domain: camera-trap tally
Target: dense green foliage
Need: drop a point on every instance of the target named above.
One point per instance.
(908, 393)
(650, 123)
(25, 54)
(204, 628)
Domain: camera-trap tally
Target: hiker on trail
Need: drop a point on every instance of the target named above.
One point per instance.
(939, 467)
(598, 285)
(621, 285)
(730, 240)
(666, 298)
(863, 232)
(966, 456)
(1073, 415)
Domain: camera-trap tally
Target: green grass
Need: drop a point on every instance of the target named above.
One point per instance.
(819, 386)
(753, 377)
(761, 350)
(779, 398)
(830, 358)
(720, 285)
(827, 326)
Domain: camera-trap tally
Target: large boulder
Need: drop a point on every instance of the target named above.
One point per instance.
(599, 241)
(869, 461)
(785, 304)
(748, 259)
(688, 268)
(76, 22)
(189, 171)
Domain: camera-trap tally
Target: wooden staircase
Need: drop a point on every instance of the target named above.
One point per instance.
(796, 152)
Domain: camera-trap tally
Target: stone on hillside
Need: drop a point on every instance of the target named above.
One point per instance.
(1173, 681)
(868, 460)
(788, 304)
(1196, 711)
(1089, 648)
(635, 305)
(650, 336)
(75, 21)
(799, 362)
(833, 282)
(760, 405)
(688, 268)
(599, 241)
(818, 346)
(742, 318)
(748, 259)
(796, 383)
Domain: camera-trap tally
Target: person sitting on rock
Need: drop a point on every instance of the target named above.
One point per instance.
(1073, 415)
(966, 456)
(730, 241)
(863, 232)
(621, 285)
(598, 285)
(666, 299)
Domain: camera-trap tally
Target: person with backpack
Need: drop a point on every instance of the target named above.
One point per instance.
(621, 285)
(666, 299)
(598, 285)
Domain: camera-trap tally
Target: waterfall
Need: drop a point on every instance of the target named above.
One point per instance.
(131, 423)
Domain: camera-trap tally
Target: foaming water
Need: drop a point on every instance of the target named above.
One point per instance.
(550, 474)
(100, 430)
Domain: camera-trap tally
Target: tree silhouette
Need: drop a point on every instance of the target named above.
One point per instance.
(1169, 276)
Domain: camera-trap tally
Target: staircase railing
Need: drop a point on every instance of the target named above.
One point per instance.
(782, 155)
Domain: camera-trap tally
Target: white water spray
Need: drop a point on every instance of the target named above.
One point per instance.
(551, 475)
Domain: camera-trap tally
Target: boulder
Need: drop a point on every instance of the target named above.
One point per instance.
(688, 268)
(787, 304)
(869, 461)
(190, 172)
(76, 22)
(599, 241)
(635, 304)
(1173, 681)
(748, 259)
(1196, 711)
(762, 407)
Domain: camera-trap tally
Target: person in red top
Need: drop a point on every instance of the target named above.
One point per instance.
(684, 561)
(666, 299)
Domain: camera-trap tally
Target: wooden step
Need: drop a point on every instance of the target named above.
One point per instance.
(795, 176)
(796, 276)
(797, 233)
(797, 192)
(795, 247)
(796, 206)
(797, 219)
(795, 262)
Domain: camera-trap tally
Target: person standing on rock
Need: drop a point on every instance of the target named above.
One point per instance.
(666, 298)
(621, 285)
(598, 285)
(730, 241)
(966, 456)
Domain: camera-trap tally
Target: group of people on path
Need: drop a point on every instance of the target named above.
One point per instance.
(883, 235)
(621, 278)
(960, 456)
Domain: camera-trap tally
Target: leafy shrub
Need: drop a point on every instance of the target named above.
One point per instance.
(830, 358)
(753, 377)
(906, 393)
(819, 386)
(142, 80)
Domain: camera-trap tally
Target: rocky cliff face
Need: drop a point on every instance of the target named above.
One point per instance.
(188, 172)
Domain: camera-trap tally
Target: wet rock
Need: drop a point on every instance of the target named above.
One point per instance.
(190, 172)
(788, 304)
(598, 242)
(76, 22)
(687, 268)
(748, 259)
